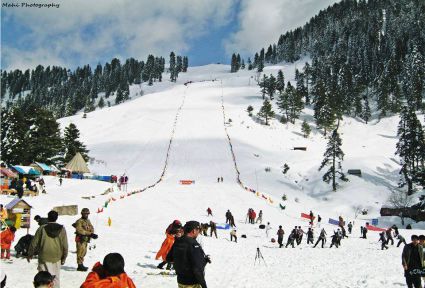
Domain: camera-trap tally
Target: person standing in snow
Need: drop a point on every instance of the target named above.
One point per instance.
(350, 227)
(228, 214)
(171, 232)
(51, 244)
(260, 217)
(300, 234)
(364, 231)
(233, 235)
(60, 180)
(213, 229)
(188, 257)
(6, 238)
(221, 179)
(412, 259)
(84, 233)
(209, 211)
(280, 234)
(268, 228)
(322, 238)
(395, 228)
(310, 236)
(335, 240)
(384, 240)
(389, 235)
(291, 239)
(319, 219)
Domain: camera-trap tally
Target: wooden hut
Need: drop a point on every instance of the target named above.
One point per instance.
(19, 212)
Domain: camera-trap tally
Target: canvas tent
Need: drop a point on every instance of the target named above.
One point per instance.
(6, 177)
(25, 170)
(42, 168)
(77, 164)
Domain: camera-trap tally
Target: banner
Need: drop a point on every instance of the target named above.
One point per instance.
(307, 216)
(374, 228)
(333, 221)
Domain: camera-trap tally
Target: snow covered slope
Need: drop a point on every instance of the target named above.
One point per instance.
(134, 138)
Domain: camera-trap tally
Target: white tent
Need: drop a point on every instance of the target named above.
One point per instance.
(77, 164)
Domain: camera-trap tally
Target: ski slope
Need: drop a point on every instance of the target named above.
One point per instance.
(179, 131)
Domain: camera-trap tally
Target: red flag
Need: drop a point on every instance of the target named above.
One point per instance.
(374, 228)
(307, 216)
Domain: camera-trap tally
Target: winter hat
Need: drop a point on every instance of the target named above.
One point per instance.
(177, 223)
(190, 226)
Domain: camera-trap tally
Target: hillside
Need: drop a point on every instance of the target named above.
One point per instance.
(134, 138)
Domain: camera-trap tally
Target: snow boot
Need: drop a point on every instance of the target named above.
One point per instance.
(2, 254)
(8, 254)
(161, 265)
(82, 268)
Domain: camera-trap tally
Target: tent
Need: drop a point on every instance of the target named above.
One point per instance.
(42, 168)
(77, 164)
(25, 170)
(6, 177)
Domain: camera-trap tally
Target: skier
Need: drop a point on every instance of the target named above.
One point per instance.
(209, 211)
(389, 236)
(213, 229)
(350, 227)
(280, 234)
(400, 240)
(384, 240)
(260, 217)
(268, 228)
(322, 237)
(6, 239)
(310, 236)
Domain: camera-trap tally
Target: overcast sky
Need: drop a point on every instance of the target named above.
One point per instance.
(92, 31)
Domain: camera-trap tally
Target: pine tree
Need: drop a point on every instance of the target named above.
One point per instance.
(305, 129)
(280, 82)
(332, 153)
(14, 137)
(185, 63)
(173, 69)
(119, 98)
(72, 144)
(266, 111)
(179, 65)
(301, 89)
(366, 114)
(233, 64)
(271, 86)
(45, 142)
(250, 67)
(101, 103)
(283, 101)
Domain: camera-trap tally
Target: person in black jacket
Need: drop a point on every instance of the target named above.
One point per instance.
(188, 257)
(412, 261)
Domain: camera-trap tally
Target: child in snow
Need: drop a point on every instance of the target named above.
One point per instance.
(7, 237)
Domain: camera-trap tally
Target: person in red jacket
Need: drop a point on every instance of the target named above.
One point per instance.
(109, 275)
(7, 237)
(209, 211)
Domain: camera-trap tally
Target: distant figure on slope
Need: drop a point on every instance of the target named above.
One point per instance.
(268, 228)
(389, 235)
(218, 179)
(311, 218)
(400, 240)
(364, 231)
(384, 240)
(280, 234)
(350, 227)
(60, 180)
(221, 179)
(209, 211)
(228, 216)
(291, 239)
(310, 236)
(213, 229)
(335, 240)
(233, 235)
(322, 238)
(300, 234)
(260, 217)
(319, 220)
(395, 230)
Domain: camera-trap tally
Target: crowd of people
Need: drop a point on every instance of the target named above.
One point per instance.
(179, 251)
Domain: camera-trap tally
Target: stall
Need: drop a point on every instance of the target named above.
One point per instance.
(6, 182)
(19, 212)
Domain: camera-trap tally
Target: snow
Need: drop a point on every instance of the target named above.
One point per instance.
(134, 137)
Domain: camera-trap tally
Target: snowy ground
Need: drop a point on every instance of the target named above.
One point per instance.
(134, 137)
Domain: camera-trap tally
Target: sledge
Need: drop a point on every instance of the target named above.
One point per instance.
(187, 182)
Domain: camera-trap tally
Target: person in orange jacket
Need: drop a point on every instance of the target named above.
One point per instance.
(3, 213)
(110, 274)
(171, 231)
(7, 237)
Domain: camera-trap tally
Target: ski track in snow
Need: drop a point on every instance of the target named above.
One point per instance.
(134, 137)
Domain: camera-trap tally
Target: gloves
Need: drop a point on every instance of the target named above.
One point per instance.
(94, 236)
(208, 259)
